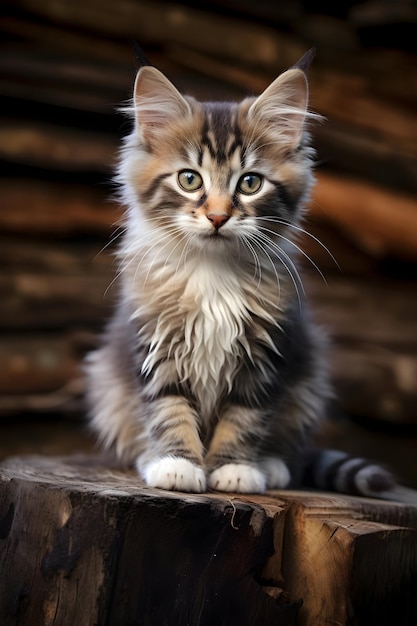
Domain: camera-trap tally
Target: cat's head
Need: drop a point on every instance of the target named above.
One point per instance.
(215, 172)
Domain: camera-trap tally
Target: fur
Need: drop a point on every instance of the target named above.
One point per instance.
(212, 371)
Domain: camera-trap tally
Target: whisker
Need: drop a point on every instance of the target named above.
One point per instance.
(184, 253)
(254, 238)
(278, 220)
(118, 274)
(257, 264)
(120, 230)
(305, 255)
(175, 231)
(279, 252)
(181, 241)
(161, 234)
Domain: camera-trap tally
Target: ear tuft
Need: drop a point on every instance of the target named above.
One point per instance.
(157, 103)
(306, 60)
(141, 58)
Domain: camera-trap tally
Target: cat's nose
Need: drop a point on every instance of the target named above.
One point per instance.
(217, 219)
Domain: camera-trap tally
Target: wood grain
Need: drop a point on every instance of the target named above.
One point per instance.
(83, 541)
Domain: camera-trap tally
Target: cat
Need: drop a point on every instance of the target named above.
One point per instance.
(212, 373)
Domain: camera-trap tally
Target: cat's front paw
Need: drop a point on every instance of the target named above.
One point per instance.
(237, 477)
(174, 474)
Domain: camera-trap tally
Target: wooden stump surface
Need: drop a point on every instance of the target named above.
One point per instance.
(85, 543)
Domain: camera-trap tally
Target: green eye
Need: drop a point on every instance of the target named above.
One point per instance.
(190, 180)
(250, 183)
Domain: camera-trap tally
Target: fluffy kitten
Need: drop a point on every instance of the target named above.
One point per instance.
(211, 372)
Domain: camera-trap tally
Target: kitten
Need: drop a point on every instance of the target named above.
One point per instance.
(212, 373)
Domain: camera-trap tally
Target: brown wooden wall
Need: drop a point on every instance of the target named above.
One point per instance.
(65, 66)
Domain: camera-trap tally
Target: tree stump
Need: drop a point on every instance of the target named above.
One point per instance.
(84, 543)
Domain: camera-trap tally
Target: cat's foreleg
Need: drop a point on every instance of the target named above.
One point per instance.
(232, 456)
(174, 456)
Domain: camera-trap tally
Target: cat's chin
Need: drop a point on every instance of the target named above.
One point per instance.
(214, 238)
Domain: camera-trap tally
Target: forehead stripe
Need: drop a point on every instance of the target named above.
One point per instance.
(220, 130)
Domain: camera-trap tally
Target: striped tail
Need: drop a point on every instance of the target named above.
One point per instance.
(332, 470)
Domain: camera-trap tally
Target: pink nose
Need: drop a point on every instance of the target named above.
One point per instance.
(217, 219)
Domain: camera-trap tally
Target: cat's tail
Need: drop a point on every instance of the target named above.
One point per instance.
(332, 470)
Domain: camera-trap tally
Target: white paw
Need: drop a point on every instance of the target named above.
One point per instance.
(174, 474)
(278, 474)
(237, 477)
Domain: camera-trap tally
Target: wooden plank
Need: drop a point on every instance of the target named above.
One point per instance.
(374, 381)
(57, 208)
(45, 255)
(77, 291)
(373, 348)
(380, 221)
(162, 22)
(383, 312)
(41, 363)
(40, 302)
(27, 34)
(54, 285)
(56, 147)
(80, 84)
(351, 151)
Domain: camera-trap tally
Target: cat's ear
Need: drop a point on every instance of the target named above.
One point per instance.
(283, 106)
(157, 102)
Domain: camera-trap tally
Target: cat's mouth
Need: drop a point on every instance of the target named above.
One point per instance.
(216, 235)
(216, 239)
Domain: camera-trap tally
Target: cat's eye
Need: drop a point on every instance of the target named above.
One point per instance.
(250, 183)
(190, 180)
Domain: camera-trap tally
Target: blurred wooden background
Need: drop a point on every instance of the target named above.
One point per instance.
(65, 66)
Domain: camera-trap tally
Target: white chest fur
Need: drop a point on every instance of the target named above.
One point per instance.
(214, 332)
(195, 325)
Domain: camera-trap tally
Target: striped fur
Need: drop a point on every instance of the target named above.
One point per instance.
(212, 372)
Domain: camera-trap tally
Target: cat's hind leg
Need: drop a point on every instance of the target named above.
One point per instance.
(113, 403)
(276, 471)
